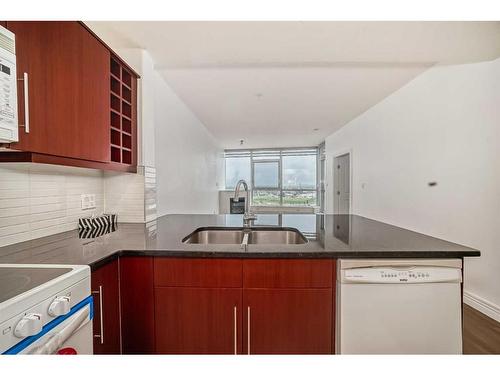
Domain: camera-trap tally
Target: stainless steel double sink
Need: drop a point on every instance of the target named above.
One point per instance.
(246, 236)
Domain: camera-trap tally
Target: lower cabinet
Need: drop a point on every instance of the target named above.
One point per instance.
(198, 320)
(287, 321)
(106, 323)
(288, 306)
(137, 305)
(219, 306)
(230, 306)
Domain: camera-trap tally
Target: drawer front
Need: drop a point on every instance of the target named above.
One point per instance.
(202, 272)
(288, 273)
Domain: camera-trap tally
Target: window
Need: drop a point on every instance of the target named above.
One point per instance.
(237, 168)
(266, 174)
(299, 172)
(284, 177)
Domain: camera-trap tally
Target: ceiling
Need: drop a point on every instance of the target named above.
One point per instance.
(282, 84)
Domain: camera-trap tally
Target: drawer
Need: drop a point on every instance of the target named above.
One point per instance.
(288, 273)
(199, 272)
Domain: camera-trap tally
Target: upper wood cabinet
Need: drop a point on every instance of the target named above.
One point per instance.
(68, 94)
(70, 97)
(123, 90)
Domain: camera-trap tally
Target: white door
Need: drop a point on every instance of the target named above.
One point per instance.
(341, 184)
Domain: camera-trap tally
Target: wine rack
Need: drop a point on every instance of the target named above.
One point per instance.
(122, 113)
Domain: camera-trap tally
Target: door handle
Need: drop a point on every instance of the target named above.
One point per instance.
(235, 320)
(26, 125)
(101, 314)
(248, 329)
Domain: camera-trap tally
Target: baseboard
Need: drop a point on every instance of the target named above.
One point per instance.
(480, 304)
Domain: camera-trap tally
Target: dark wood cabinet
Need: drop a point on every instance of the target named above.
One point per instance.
(214, 306)
(288, 306)
(198, 306)
(137, 305)
(198, 320)
(287, 321)
(256, 306)
(68, 93)
(122, 112)
(105, 290)
(206, 273)
(70, 97)
(287, 273)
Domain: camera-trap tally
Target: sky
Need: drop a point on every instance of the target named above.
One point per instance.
(299, 172)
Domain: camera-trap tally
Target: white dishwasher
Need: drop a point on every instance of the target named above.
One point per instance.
(388, 306)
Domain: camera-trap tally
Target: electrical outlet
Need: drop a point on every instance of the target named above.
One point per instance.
(88, 201)
(92, 203)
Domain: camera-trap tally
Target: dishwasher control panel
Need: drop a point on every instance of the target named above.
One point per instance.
(406, 275)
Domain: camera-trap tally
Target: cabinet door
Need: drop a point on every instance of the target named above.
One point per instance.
(105, 290)
(287, 321)
(68, 96)
(198, 320)
(137, 304)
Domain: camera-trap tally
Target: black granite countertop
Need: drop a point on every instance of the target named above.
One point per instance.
(329, 236)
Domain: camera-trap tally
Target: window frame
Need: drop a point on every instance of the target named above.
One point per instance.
(274, 155)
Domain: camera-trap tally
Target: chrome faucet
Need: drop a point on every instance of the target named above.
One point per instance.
(248, 216)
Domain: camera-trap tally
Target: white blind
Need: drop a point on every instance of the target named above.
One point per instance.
(300, 152)
(269, 153)
(237, 153)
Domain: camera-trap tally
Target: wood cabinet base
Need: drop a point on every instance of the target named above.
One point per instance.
(106, 323)
(198, 320)
(227, 306)
(287, 321)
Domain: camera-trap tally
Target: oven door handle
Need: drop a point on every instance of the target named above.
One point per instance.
(55, 342)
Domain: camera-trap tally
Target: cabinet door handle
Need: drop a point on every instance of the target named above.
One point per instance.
(248, 329)
(101, 314)
(26, 103)
(235, 319)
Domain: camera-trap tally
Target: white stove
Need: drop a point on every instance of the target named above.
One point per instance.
(45, 309)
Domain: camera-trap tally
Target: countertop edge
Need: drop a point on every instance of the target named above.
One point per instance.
(283, 255)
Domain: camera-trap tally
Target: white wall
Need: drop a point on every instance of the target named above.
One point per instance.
(443, 126)
(187, 157)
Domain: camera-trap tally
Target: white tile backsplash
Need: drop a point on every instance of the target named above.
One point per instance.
(150, 193)
(38, 200)
(131, 196)
(125, 196)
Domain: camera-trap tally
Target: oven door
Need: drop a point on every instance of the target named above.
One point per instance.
(68, 334)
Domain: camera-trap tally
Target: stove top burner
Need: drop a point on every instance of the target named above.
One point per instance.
(18, 280)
